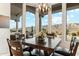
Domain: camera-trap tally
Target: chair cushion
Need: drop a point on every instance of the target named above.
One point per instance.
(57, 54)
(26, 53)
(63, 51)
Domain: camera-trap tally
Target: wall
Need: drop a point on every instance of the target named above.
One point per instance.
(4, 32)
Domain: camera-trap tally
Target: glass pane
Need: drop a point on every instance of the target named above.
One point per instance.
(20, 24)
(12, 26)
(44, 22)
(30, 22)
(57, 24)
(72, 23)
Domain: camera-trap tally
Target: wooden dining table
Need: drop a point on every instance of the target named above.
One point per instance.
(48, 46)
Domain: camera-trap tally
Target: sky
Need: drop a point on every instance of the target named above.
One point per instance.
(72, 17)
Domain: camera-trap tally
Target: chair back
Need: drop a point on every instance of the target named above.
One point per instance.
(9, 47)
(16, 48)
(12, 37)
(21, 37)
(73, 47)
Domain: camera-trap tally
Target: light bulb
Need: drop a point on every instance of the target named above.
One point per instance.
(46, 8)
(43, 9)
(44, 5)
(40, 7)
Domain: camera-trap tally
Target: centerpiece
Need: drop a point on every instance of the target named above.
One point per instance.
(41, 37)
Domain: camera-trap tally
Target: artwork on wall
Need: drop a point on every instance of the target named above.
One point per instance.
(4, 21)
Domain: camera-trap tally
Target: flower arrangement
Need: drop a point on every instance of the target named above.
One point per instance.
(53, 35)
(41, 36)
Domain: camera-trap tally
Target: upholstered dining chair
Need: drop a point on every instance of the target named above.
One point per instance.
(12, 37)
(64, 52)
(9, 47)
(21, 37)
(16, 49)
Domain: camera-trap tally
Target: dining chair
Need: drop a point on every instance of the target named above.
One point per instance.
(17, 35)
(16, 48)
(9, 47)
(22, 37)
(12, 37)
(65, 52)
(27, 34)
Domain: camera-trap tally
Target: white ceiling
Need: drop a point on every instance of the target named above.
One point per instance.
(32, 4)
(36, 4)
(17, 8)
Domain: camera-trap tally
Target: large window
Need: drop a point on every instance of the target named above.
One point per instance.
(30, 22)
(57, 18)
(30, 19)
(57, 23)
(20, 24)
(12, 26)
(72, 23)
(44, 22)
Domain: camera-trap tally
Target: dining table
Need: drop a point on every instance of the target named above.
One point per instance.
(48, 46)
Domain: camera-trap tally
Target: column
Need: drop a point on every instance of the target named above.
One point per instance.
(24, 19)
(17, 19)
(37, 28)
(49, 19)
(64, 20)
(39, 22)
(49, 23)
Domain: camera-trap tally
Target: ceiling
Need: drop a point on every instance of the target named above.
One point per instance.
(16, 8)
(36, 4)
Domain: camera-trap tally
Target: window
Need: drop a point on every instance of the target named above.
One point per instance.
(44, 23)
(57, 23)
(20, 24)
(30, 22)
(12, 26)
(57, 18)
(72, 23)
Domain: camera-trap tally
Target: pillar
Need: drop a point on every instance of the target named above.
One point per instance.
(37, 22)
(17, 20)
(24, 19)
(49, 19)
(64, 20)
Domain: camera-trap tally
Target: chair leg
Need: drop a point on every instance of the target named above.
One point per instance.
(30, 53)
(45, 53)
(10, 53)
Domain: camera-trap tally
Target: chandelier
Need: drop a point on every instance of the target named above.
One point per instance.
(43, 7)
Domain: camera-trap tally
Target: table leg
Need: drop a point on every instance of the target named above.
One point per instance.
(46, 53)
